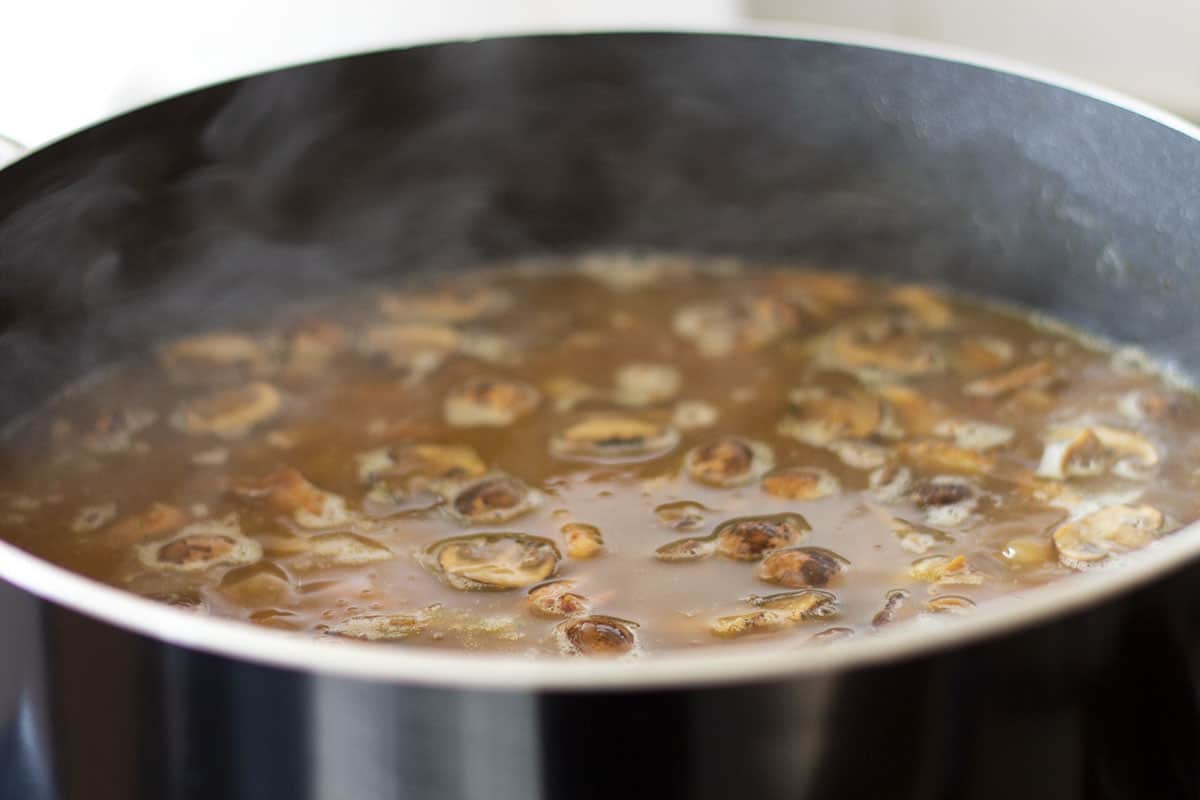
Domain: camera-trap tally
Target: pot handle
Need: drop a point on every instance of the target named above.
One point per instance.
(10, 150)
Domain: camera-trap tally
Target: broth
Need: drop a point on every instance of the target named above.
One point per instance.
(611, 456)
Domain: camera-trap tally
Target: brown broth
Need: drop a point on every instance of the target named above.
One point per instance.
(76, 475)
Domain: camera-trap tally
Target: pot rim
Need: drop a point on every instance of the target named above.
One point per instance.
(670, 669)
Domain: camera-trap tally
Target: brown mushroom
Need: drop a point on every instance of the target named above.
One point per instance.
(945, 570)
(492, 499)
(229, 413)
(729, 461)
(1093, 538)
(289, 492)
(489, 403)
(614, 439)
(750, 538)
(200, 546)
(801, 567)
(582, 540)
(493, 561)
(801, 483)
(557, 599)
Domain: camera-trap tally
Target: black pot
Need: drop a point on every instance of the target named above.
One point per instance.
(200, 210)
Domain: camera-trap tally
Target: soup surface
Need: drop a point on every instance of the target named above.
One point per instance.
(613, 456)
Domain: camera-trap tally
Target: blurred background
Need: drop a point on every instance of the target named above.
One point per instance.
(66, 63)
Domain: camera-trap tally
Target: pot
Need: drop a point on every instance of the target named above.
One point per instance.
(198, 211)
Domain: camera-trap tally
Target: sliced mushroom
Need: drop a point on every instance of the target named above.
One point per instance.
(158, 519)
(220, 355)
(973, 435)
(729, 461)
(493, 561)
(646, 384)
(750, 538)
(860, 454)
(114, 432)
(256, 585)
(493, 499)
(819, 294)
(776, 612)
(919, 539)
(1091, 539)
(311, 347)
(801, 567)
(881, 347)
(1027, 552)
(557, 599)
(692, 549)
(1036, 373)
(979, 354)
(692, 414)
(383, 627)
(489, 403)
(801, 483)
(945, 570)
(947, 500)
(415, 348)
(682, 515)
(1095, 450)
(950, 604)
(567, 393)
(926, 306)
(917, 413)
(200, 546)
(338, 550)
(890, 483)
(742, 325)
(289, 492)
(597, 635)
(229, 413)
(932, 455)
(821, 415)
(91, 518)
(830, 635)
(453, 304)
(892, 604)
(582, 540)
(614, 439)
(411, 468)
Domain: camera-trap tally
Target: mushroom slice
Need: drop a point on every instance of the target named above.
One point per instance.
(819, 294)
(256, 585)
(917, 413)
(596, 635)
(1083, 451)
(1091, 539)
(567, 393)
(750, 538)
(729, 461)
(614, 439)
(289, 492)
(682, 515)
(776, 612)
(646, 384)
(91, 518)
(493, 561)
(950, 604)
(201, 546)
(493, 499)
(217, 355)
(947, 500)
(972, 435)
(229, 413)
(890, 483)
(892, 604)
(158, 519)
(926, 306)
(979, 354)
(932, 455)
(801, 483)
(919, 539)
(945, 570)
(692, 414)
(416, 348)
(821, 415)
(450, 305)
(830, 635)
(383, 627)
(311, 346)
(881, 347)
(801, 567)
(582, 540)
(113, 432)
(489, 403)
(339, 550)
(1025, 376)
(687, 549)
(415, 468)
(859, 454)
(556, 599)
(742, 325)
(1027, 552)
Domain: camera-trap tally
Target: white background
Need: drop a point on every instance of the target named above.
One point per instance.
(66, 63)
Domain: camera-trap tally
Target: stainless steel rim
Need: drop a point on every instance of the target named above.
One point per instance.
(677, 669)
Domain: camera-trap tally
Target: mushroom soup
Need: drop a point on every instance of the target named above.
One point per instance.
(613, 456)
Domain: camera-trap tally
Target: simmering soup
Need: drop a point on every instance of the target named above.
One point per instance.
(607, 457)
